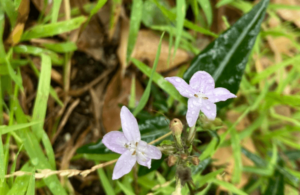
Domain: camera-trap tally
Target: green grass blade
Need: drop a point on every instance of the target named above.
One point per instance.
(61, 47)
(187, 23)
(160, 81)
(2, 163)
(125, 189)
(146, 93)
(15, 77)
(31, 186)
(8, 129)
(55, 10)
(47, 30)
(40, 104)
(97, 7)
(105, 182)
(206, 7)
(180, 16)
(236, 147)
(9, 8)
(228, 186)
(132, 93)
(13, 166)
(272, 69)
(49, 150)
(27, 49)
(208, 177)
(135, 22)
(223, 2)
(36, 154)
(52, 91)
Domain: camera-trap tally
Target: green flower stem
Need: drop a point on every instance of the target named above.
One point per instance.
(191, 135)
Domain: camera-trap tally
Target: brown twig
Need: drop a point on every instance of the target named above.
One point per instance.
(64, 120)
(79, 92)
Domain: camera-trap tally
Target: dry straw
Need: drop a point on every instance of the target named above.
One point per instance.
(43, 173)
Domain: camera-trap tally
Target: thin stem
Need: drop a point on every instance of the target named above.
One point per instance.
(160, 138)
(191, 135)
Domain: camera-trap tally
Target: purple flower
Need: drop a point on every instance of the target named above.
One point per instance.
(202, 95)
(130, 145)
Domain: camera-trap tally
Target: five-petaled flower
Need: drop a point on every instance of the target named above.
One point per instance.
(130, 145)
(202, 95)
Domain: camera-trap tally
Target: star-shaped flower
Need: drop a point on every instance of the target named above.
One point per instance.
(130, 145)
(202, 95)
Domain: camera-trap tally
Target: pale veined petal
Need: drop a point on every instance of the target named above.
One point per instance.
(115, 141)
(124, 164)
(193, 111)
(209, 109)
(129, 125)
(182, 87)
(202, 82)
(219, 94)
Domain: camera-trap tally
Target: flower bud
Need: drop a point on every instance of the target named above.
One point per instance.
(172, 160)
(183, 156)
(176, 126)
(195, 160)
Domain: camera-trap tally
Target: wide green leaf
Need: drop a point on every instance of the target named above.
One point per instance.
(226, 57)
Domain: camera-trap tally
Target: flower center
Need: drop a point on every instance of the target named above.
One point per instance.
(200, 96)
(132, 147)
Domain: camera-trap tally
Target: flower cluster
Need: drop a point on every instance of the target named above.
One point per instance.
(202, 96)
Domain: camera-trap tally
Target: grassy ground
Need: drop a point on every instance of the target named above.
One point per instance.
(67, 66)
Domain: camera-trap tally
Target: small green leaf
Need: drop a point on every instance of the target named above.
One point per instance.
(47, 30)
(226, 57)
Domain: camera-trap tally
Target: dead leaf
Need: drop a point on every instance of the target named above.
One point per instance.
(145, 50)
(91, 39)
(117, 93)
(289, 15)
(17, 32)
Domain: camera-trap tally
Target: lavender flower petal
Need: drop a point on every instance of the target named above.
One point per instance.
(219, 94)
(129, 125)
(124, 164)
(182, 87)
(202, 82)
(115, 141)
(193, 111)
(143, 162)
(209, 109)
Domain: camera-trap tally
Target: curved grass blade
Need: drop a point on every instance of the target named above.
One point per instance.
(160, 81)
(135, 22)
(206, 7)
(146, 94)
(55, 10)
(180, 16)
(47, 30)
